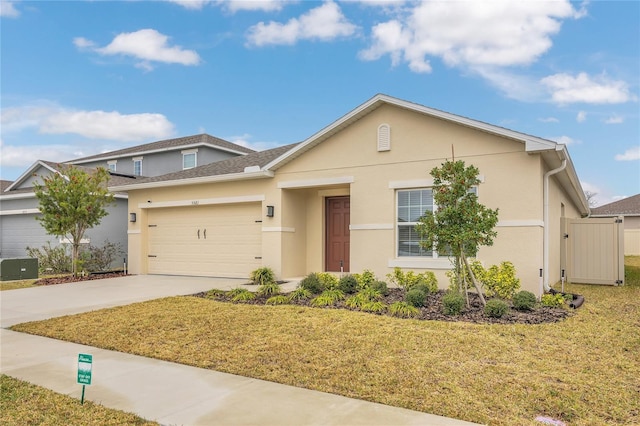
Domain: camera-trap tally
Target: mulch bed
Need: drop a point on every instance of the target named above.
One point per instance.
(71, 279)
(434, 309)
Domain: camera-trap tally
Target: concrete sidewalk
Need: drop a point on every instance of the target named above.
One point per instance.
(162, 391)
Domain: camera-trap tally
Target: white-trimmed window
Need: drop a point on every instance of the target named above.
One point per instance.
(137, 166)
(189, 159)
(111, 165)
(411, 205)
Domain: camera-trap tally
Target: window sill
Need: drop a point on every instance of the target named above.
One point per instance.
(418, 263)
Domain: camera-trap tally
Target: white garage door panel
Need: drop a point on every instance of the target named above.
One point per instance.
(223, 241)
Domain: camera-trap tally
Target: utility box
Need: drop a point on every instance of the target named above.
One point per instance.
(18, 269)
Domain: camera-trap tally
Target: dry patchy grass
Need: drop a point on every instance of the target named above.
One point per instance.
(583, 370)
(22, 403)
(13, 285)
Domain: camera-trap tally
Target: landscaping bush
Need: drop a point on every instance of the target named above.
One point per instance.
(415, 297)
(478, 272)
(269, 289)
(553, 300)
(380, 286)
(328, 280)
(365, 279)
(501, 280)
(312, 283)
(241, 295)
(278, 300)
(96, 259)
(262, 276)
(300, 293)
(403, 310)
(328, 298)
(348, 284)
(375, 306)
(496, 308)
(215, 294)
(524, 300)
(363, 297)
(408, 280)
(51, 260)
(452, 303)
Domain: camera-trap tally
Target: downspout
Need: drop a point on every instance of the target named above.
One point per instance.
(545, 242)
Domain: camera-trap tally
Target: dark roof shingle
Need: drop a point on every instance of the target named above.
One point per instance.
(629, 206)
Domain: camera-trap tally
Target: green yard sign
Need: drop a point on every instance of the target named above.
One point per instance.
(85, 362)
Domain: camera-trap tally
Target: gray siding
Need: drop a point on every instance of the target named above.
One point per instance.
(160, 163)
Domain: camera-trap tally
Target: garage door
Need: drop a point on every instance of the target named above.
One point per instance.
(216, 241)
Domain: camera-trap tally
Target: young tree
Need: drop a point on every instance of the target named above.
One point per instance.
(460, 224)
(71, 202)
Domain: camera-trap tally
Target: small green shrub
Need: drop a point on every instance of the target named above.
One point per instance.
(300, 293)
(553, 300)
(524, 300)
(365, 279)
(328, 280)
(380, 286)
(478, 272)
(362, 297)
(375, 306)
(415, 297)
(262, 276)
(501, 280)
(51, 260)
(408, 280)
(278, 300)
(496, 308)
(403, 310)
(241, 295)
(312, 283)
(215, 294)
(348, 284)
(101, 258)
(452, 303)
(269, 289)
(328, 298)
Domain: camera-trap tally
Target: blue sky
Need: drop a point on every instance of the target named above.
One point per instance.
(79, 78)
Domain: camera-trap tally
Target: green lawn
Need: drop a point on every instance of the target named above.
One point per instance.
(583, 371)
(22, 403)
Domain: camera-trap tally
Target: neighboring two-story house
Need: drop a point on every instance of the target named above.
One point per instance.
(19, 205)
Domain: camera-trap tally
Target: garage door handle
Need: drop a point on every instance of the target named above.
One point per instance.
(152, 255)
(198, 234)
(205, 234)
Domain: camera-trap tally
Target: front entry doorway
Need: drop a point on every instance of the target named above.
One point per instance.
(337, 235)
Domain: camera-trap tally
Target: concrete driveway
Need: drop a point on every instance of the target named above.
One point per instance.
(162, 391)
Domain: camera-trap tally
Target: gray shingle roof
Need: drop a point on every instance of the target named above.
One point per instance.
(224, 167)
(201, 139)
(4, 184)
(629, 206)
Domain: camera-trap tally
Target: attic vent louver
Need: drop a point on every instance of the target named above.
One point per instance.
(384, 137)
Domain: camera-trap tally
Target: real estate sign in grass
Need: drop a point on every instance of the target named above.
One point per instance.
(22, 403)
(583, 371)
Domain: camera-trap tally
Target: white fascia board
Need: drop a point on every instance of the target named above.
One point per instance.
(195, 181)
(29, 172)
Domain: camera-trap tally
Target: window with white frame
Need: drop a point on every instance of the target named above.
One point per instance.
(111, 165)
(137, 166)
(189, 159)
(411, 205)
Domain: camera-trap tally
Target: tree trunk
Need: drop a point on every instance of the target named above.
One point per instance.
(473, 278)
(74, 258)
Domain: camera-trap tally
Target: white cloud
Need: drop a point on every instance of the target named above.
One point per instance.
(245, 140)
(566, 89)
(566, 140)
(323, 23)
(191, 4)
(514, 86)
(601, 196)
(52, 119)
(8, 9)
(472, 34)
(581, 117)
(148, 45)
(234, 5)
(632, 154)
(614, 119)
(549, 120)
(23, 156)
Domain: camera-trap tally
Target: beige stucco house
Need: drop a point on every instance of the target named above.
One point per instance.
(347, 198)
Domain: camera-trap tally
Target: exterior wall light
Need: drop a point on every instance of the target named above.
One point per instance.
(270, 211)
(132, 217)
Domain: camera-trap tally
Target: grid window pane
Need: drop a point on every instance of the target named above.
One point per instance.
(189, 160)
(137, 167)
(412, 204)
(409, 242)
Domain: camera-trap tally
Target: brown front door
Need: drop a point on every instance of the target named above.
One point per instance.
(337, 240)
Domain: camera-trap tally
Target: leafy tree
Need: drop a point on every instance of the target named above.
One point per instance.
(461, 224)
(72, 201)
